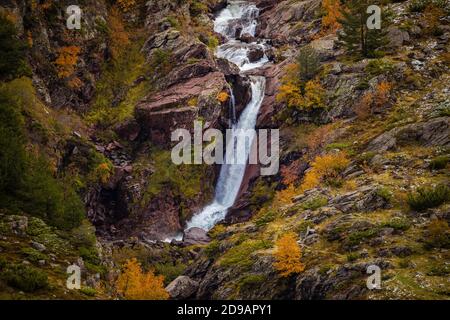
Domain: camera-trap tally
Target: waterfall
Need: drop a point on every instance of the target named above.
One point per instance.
(237, 16)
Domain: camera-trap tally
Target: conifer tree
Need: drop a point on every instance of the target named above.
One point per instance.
(355, 34)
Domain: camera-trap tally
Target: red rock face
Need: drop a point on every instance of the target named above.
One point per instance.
(170, 110)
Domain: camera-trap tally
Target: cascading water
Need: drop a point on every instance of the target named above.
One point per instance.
(238, 18)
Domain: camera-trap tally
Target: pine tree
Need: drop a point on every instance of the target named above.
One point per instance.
(309, 63)
(355, 34)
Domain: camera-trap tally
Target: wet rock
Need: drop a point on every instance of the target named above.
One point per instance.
(182, 288)
(255, 54)
(195, 236)
(247, 38)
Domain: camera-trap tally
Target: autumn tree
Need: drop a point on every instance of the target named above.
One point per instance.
(118, 36)
(356, 35)
(332, 9)
(134, 284)
(288, 254)
(296, 91)
(126, 5)
(325, 169)
(67, 60)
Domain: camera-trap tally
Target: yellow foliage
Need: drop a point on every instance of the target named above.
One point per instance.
(314, 94)
(324, 169)
(290, 92)
(222, 97)
(134, 284)
(67, 60)
(330, 22)
(193, 102)
(286, 195)
(103, 172)
(288, 254)
(126, 5)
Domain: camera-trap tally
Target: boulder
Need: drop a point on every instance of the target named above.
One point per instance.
(255, 54)
(38, 246)
(182, 288)
(247, 38)
(195, 236)
(435, 132)
(397, 37)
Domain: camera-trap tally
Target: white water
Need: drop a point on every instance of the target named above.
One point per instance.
(244, 15)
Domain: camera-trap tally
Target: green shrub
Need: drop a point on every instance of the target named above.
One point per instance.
(12, 150)
(89, 255)
(25, 278)
(240, 255)
(438, 235)
(439, 163)
(84, 235)
(91, 292)
(251, 282)
(33, 255)
(212, 251)
(196, 8)
(26, 180)
(169, 270)
(265, 218)
(399, 224)
(352, 256)
(384, 193)
(428, 197)
(315, 203)
(376, 67)
(12, 52)
(357, 237)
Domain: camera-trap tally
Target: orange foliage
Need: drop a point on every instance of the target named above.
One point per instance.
(318, 137)
(290, 173)
(126, 5)
(325, 169)
(67, 60)
(118, 36)
(382, 92)
(363, 108)
(134, 284)
(222, 97)
(288, 255)
(431, 17)
(330, 22)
